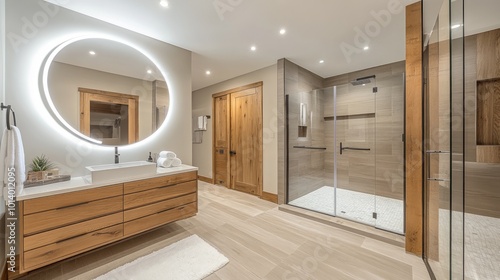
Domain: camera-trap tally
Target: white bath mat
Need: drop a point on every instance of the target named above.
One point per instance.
(190, 258)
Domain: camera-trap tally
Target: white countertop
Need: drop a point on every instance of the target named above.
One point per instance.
(80, 183)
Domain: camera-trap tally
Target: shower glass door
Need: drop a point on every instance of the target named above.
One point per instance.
(389, 152)
(355, 150)
(307, 133)
(345, 150)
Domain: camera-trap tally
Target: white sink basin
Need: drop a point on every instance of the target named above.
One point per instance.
(121, 171)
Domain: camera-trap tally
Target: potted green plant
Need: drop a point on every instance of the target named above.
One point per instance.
(41, 169)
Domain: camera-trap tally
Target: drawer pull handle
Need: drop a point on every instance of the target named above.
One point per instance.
(74, 205)
(164, 187)
(93, 234)
(115, 232)
(69, 238)
(171, 209)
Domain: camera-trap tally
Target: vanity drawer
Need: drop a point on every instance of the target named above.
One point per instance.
(158, 219)
(71, 214)
(72, 198)
(159, 194)
(69, 247)
(63, 233)
(147, 184)
(161, 206)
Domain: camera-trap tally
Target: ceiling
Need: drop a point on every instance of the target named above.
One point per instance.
(221, 32)
(478, 15)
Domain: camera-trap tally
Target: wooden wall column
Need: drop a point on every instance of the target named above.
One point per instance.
(414, 130)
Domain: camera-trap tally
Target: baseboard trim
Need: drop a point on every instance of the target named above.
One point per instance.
(205, 179)
(269, 197)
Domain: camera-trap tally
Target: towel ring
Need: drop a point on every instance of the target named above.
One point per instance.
(9, 110)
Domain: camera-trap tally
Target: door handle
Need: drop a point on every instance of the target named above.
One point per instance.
(232, 153)
(352, 148)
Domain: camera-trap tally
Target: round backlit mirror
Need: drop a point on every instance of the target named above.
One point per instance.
(105, 91)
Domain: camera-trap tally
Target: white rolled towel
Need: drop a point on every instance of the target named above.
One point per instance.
(176, 162)
(164, 162)
(168, 154)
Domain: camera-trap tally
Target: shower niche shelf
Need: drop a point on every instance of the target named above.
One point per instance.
(349, 117)
(488, 121)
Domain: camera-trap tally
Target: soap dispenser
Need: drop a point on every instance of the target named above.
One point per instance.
(150, 159)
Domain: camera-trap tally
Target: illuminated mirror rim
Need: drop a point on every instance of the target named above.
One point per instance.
(45, 92)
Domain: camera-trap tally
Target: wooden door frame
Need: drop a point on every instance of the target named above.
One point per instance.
(260, 84)
(88, 95)
(214, 135)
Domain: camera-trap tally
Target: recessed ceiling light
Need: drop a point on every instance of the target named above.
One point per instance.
(253, 48)
(455, 26)
(92, 52)
(366, 48)
(208, 72)
(282, 31)
(321, 61)
(164, 3)
(150, 71)
(364, 84)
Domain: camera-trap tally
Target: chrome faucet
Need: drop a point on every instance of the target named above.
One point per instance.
(117, 155)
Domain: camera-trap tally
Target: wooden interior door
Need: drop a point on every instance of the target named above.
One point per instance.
(106, 100)
(221, 120)
(246, 140)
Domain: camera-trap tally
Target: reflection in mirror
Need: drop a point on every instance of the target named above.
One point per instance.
(106, 90)
(109, 117)
(160, 103)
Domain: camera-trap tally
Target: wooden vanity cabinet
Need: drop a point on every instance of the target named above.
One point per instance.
(60, 226)
(155, 202)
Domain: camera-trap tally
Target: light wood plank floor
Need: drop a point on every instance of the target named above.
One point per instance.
(260, 241)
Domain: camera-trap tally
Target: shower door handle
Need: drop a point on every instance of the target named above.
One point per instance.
(351, 148)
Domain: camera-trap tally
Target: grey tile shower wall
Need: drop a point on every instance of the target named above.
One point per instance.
(306, 165)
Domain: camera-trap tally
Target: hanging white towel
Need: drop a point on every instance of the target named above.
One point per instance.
(168, 154)
(12, 160)
(202, 123)
(197, 137)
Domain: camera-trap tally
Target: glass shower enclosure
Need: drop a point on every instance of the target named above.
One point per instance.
(345, 151)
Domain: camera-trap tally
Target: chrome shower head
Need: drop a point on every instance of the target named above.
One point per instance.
(363, 80)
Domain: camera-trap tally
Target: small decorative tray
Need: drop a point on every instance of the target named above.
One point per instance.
(51, 180)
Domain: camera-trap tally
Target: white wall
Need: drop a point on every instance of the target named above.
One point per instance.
(202, 105)
(65, 79)
(33, 29)
(2, 119)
